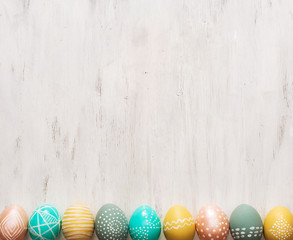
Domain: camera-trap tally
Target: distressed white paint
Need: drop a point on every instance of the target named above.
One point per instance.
(157, 102)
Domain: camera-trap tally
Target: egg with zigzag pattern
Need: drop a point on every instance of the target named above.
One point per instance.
(179, 224)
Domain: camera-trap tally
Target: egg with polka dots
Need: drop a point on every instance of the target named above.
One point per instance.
(212, 223)
(111, 223)
(145, 224)
(278, 224)
(245, 223)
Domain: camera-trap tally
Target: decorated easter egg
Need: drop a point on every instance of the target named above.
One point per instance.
(111, 223)
(278, 224)
(144, 224)
(212, 223)
(246, 223)
(13, 223)
(78, 222)
(45, 223)
(179, 224)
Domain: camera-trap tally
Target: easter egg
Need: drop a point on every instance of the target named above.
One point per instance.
(212, 223)
(111, 223)
(278, 224)
(246, 223)
(144, 224)
(78, 222)
(179, 224)
(45, 223)
(13, 223)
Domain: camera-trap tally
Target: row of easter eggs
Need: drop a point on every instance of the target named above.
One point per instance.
(111, 223)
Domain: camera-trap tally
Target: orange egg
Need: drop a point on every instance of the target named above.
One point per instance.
(13, 223)
(212, 223)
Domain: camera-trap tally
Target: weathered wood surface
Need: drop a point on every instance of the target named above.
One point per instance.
(146, 102)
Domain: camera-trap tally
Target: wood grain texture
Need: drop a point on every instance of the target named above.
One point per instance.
(146, 102)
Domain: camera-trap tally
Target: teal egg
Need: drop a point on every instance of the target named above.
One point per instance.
(144, 224)
(45, 223)
(246, 223)
(111, 223)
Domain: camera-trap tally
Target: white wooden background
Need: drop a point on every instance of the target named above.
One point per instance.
(157, 102)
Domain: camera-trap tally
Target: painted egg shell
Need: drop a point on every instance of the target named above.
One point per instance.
(278, 224)
(78, 222)
(45, 223)
(13, 223)
(179, 224)
(144, 224)
(111, 223)
(246, 223)
(212, 223)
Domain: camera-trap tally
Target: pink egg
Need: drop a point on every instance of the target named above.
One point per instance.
(13, 223)
(212, 223)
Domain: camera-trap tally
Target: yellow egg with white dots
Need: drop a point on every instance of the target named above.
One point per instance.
(278, 224)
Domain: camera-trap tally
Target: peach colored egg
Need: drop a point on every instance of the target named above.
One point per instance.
(13, 223)
(212, 223)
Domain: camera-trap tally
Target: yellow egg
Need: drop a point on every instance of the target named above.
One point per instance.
(179, 224)
(78, 222)
(278, 224)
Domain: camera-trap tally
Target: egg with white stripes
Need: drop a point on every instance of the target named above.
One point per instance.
(246, 223)
(179, 224)
(13, 223)
(144, 224)
(111, 223)
(78, 222)
(45, 223)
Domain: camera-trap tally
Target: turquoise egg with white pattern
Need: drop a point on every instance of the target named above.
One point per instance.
(145, 224)
(45, 223)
